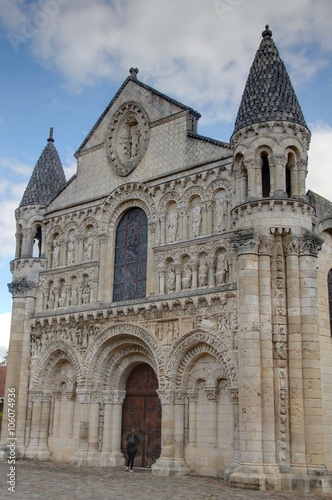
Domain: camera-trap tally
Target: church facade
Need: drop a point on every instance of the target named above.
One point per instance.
(182, 286)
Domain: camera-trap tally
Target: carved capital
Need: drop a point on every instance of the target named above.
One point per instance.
(21, 288)
(310, 244)
(166, 396)
(292, 245)
(245, 242)
(84, 395)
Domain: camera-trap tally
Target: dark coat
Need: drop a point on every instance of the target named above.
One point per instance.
(132, 443)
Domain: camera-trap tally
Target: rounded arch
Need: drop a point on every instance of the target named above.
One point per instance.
(192, 346)
(218, 185)
(125, 336)
(54, 353)
(129, 196)
(211, 377)
(191, 193)
(325, 225)
(168, 198)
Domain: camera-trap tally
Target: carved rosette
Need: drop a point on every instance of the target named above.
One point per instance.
(127, 138)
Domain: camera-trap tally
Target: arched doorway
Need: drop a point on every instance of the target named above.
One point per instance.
(142, 411)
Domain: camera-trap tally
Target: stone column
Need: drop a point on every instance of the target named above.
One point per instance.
(25, 243)
(150, 271)
(106, 275)
(185, 235)
(279, 175)
(43, 452)
(63, 252)
(310, 245)
(204, 219)
(249, 359)
(19, 357)
(179, 462)
(302, 173)
(117, 457)
(32, 449)
(194, 278)
(107, 429)
(211, 262)
(251, 172)
(57, 412)
(258, 177)
(178, 277)
(213, 415)
(80, 456)
(162, 275)
(93, 455)
(192, 396)
(296, 402)
(209, 208)
(163, 229)
(70, 395)
(80, 248)
(168, 464)
(267, 368)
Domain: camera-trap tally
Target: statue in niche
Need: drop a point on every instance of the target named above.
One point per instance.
(71, 250)
(196, 221)
(73, 297)
(203, 272)
(86, 294)
(186, 279)
(62, 298)
(221, 269)
(50, 301)
(221, 214)
(129, 139)
(56, 253)
(172, 226)
(88, 247)
(171, 280)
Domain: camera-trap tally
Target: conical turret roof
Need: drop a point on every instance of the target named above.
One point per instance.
(268, 94)
(47, 179)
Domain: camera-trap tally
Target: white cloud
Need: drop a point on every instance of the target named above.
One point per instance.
(15, 166)
(5, 320)
(319, 177)
(199, 51)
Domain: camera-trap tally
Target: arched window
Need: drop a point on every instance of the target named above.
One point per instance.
(290, 175)
(288, 181)
(265, 176)
(37, 243)
(329, 287)
(130, 256)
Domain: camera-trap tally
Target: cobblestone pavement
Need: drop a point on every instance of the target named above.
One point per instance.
(49, 480)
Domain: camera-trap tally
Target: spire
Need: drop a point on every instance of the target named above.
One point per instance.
(47, 179)
(268, 94)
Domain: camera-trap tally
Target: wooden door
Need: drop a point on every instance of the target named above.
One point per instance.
(142, 411)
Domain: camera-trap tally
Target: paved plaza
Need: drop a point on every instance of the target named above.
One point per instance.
(50, 480)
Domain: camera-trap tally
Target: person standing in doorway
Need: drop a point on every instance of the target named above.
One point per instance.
(132, 447)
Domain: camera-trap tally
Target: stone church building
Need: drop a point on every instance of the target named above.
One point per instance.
(182, 286)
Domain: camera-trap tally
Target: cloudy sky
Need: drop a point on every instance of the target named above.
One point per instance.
(63, 60)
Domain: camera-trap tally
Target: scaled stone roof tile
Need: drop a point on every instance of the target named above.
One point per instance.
(268, 94)
(47, 179)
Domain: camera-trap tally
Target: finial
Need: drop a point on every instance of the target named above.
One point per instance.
(50, 139)
(133, 73)
(267, 33)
